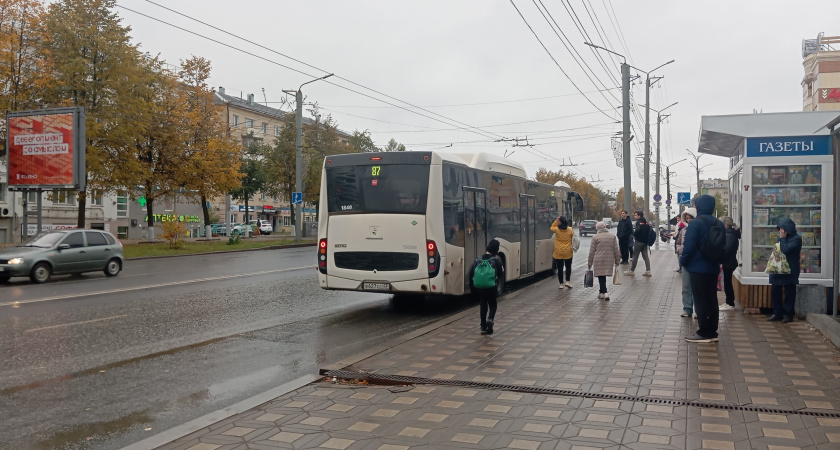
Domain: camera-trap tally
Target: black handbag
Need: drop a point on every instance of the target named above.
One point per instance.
(588, 279)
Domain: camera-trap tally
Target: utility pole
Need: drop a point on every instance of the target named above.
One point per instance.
(625, 117)
(659, 118)
(625, 135)
(647, 145)
(697, 168)
(668, 208)
(299, 154)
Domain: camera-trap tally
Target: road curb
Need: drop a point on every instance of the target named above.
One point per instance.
(269, 247)
(206, 420)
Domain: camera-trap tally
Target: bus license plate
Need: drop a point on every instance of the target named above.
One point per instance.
(376, 286)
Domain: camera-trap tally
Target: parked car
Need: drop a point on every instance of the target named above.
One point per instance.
(62, 251)
(264, 226)
(608, 222)
(588, 227)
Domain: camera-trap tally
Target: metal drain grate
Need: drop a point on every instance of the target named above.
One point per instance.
(372, 378)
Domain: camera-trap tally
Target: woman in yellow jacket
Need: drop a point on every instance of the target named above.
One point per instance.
(563, 249)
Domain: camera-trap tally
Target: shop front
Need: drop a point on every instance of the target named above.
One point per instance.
(781, 166)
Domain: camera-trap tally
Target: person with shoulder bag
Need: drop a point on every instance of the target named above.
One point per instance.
(563, 235)
(642, 236)
(484, 275)
(604, 256)
(790, 245)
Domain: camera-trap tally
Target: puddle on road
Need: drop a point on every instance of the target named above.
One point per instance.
(82, 435)
(106, 367)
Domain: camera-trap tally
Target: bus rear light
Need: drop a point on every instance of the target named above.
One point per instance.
(322, 256)
(434, 258)
(375, 158)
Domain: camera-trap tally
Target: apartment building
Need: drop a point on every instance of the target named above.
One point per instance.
(821, 83)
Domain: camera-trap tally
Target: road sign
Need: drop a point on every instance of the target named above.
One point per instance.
(683, 198)
(297, 198)
(668, 202)
(657, 198)
(657, 204)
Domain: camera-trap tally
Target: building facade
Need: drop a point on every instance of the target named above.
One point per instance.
(821, 83)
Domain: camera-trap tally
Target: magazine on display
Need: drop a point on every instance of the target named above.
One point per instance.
(777, 175)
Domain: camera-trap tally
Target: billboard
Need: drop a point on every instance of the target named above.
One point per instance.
(46, 149)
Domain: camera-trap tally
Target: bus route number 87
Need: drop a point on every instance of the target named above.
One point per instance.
(374, 171)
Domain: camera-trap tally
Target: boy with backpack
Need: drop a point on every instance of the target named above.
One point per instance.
(702, 254)
(645, 237)
(484, 274)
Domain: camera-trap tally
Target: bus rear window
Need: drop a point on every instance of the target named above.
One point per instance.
(387, 188)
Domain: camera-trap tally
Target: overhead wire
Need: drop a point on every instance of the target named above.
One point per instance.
(469, 128)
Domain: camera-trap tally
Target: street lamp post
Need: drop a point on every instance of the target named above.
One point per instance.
(668, 184)
(647, 130)
(299, 154)
(659, 118)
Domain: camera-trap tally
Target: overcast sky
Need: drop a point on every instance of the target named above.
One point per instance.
(477, 64)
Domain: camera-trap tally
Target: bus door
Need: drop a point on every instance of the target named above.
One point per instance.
(527, 217)
(475, 226)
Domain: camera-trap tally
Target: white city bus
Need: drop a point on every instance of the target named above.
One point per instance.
(414, 222)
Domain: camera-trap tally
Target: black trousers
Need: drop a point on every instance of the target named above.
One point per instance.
(560, 264)
(787, 307)
(487, 305)
(624, 246)
(602, 284)
(727, 287)
(704, 290)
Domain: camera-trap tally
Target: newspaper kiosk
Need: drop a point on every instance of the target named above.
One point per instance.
(781, 166)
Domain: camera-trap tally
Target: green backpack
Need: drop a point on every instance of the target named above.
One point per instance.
(484, 276)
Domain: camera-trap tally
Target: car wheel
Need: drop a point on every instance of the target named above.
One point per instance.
(113, 267)
(40, 273)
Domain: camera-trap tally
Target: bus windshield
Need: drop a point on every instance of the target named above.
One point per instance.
(386, 188)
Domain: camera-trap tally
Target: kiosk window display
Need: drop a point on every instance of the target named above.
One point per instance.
(787, 177)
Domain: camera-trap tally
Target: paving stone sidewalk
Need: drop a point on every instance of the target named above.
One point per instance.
(565, 370)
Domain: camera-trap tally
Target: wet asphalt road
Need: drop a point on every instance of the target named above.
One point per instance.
(100, 363)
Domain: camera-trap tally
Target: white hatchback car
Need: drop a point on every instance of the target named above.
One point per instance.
(264, 225)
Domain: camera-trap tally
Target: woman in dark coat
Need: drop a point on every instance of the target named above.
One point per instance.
(790, 244)
(730, 261)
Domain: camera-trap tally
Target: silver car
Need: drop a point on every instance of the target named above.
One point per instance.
(62, 251)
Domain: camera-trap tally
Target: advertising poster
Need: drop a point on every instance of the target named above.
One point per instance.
(42, 149)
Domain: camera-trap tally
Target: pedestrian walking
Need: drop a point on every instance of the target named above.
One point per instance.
(790, 243)
(730, 262)
(563, 249)
(604, 256)
(702, 272)
(624, 231)
(687, 295)
(479, 272)
(640, 247)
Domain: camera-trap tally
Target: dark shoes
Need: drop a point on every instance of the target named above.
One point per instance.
(787, 319)
(489, 326)
(624, 263)
(698, 338)
(483, 330)
(775, 318)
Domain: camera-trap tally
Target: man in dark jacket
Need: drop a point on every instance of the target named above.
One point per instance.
(702, 272)
(730, 262)
(790, 243)
(625, 229)
(487, 297)
(640, 248)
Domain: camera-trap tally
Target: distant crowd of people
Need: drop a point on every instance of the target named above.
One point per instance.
(706, 249)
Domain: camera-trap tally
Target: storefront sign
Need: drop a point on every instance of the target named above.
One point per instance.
(789, 146)
(268, 208)
(830, 95)
(32, 228)
(173, 218)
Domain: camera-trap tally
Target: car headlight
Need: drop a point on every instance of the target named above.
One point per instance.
(16, 261)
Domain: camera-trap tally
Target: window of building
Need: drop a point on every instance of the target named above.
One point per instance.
(3, 192)
(262, 196)
(122, 205)
(287, 221)
(265, 128)
(64, 197)
(277, 130)
(122, 232)
(235, 120)
(232, 218)
(32, 197)
(96, 198)
(249, 122)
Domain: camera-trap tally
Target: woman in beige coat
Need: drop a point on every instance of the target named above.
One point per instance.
(604, 256)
